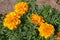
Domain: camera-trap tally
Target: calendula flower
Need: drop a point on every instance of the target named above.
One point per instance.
(11, 21)
(21, 8)
(46, 30)
(36, 19)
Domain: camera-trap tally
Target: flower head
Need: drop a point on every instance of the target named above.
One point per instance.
(46, 30)
(21, 8)
(11, 21)
(58, 35)
(13, 14)
(36, 19)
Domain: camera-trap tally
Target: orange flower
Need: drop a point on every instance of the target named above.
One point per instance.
(36, 19)
(11, 21)
(58, 36)
(13, 14)
(46, 30)
(21, 8)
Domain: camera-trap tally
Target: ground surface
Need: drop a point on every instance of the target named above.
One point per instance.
(53, 3)
(7, 5)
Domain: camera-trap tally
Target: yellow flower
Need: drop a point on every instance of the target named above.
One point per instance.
(46, 30)
(36, 19)
(13, 14)
(11, 21)
(21, 8)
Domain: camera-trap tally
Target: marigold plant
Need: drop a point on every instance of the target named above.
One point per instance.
(13, 14)
(46, 30)
(25, 14)
(21, 8)
(11, 21)
(58, 35)
(36, 19)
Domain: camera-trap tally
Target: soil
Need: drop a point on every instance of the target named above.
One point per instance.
(8, 5)
(53, 3)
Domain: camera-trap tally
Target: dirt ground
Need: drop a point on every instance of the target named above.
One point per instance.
(53, 3)
(7, 5)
